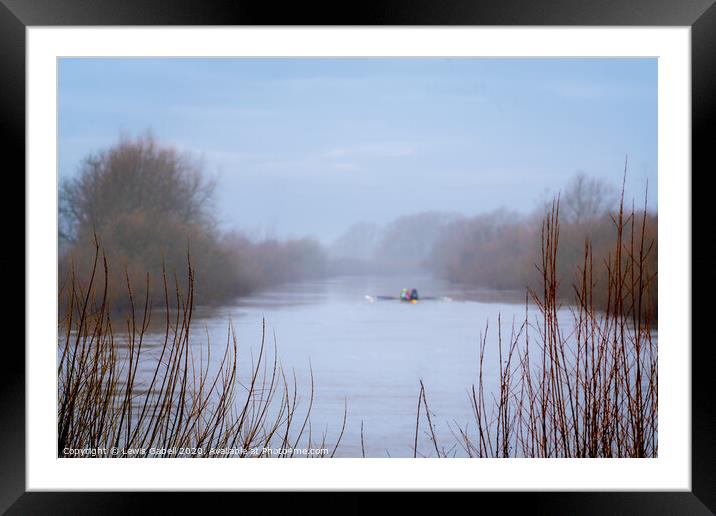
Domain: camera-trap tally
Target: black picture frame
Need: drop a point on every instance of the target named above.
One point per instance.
(700, 15)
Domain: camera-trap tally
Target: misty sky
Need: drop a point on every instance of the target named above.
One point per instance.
(310, 146)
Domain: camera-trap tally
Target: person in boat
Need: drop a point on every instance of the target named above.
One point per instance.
(409, 294)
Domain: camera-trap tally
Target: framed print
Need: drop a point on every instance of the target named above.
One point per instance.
(420, 246)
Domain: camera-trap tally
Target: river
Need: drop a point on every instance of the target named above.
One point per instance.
(370, 355)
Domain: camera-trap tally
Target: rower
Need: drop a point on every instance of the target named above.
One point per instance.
(408, 294)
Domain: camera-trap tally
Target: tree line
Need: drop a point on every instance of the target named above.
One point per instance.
(151, 210)
(501, 249)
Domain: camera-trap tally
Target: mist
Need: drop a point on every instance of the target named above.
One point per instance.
(309, 147)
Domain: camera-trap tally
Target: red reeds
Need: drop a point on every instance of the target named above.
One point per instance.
(116, 400)
(588, 386)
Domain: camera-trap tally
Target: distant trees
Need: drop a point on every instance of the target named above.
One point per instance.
(270, 262)
(500, 249)
(492, 250)
(151, 208)
(357, 243)
(404, 243)
(408, 241)
(587, 198)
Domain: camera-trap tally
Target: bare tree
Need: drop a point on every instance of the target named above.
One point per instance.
(587, 198)
(151, 208)
(135, 176)
(148, 205)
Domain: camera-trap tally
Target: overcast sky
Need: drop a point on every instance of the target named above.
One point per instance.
(310, 146)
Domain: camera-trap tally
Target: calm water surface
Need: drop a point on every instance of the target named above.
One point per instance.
(371, 355)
